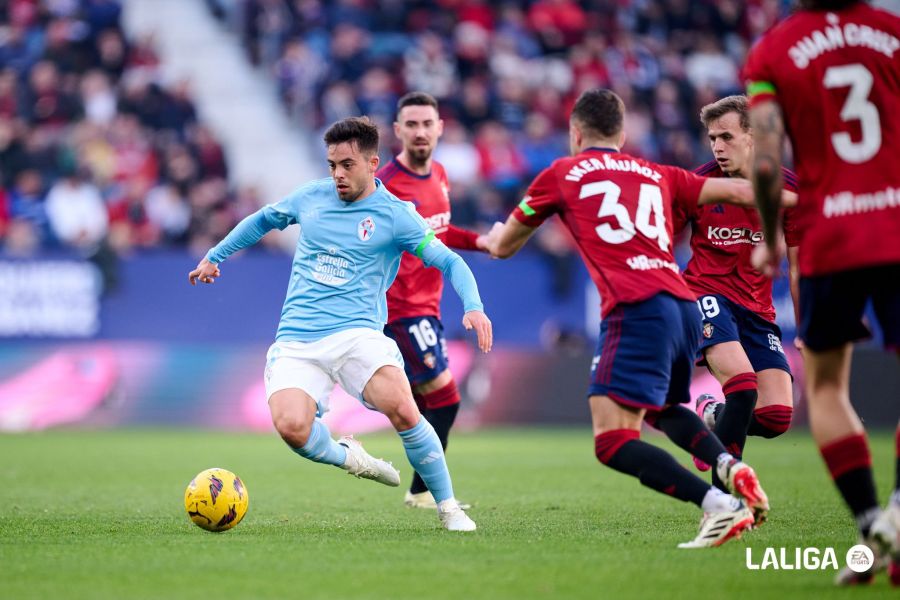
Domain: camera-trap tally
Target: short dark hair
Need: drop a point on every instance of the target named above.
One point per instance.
(354, 129)
(718, 109)
(416, 99)
(600, 111)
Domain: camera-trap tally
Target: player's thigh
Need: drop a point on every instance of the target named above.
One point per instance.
(364, 352)
(886, 302)
(761, 341)
(831, 310)
(292, 366)
(719, 325)
(727, 360)
(388, 392)
(423, 346)
(609, 415)
(775, 388)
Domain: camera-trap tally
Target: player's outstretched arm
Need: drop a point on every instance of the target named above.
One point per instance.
(245, 234)
(768, 137)
(728, 190)
(507, 239)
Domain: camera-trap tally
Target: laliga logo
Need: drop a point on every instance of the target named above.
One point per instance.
(859, 558)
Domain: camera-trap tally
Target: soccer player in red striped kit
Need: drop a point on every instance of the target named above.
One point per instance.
(741, 343)
(414, 312)
(829, 76)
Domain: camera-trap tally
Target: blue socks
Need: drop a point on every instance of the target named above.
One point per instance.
(425, 454)
(321, 448)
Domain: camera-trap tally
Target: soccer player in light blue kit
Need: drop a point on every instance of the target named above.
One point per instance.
(353, 232)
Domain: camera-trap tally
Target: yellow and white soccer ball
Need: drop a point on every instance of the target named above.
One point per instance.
(216, 499)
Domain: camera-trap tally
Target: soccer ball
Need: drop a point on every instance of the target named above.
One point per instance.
(216, 499)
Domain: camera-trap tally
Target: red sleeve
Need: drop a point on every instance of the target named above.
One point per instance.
(459, 238)
(757, 76)
(542, 200)
(685, 189)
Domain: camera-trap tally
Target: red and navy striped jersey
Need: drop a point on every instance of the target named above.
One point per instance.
(619, 211)
(722, 239)
(836, 76)
(416, 292)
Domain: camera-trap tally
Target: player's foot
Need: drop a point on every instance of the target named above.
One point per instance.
(426, 500)
(885, 534)
(363, 465)
(848, 576)
(454, 518)
(741, 481)
(705, 407)
(719, 527)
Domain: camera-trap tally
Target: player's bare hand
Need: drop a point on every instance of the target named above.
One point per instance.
(477, 320)
(206, 272)
(487, 242)
(767, 260)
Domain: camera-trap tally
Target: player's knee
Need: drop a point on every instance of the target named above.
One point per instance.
(447, 395)
(293, 429)
(608, 443)
(403, 415)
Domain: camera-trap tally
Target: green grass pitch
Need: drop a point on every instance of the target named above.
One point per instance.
(100, 515)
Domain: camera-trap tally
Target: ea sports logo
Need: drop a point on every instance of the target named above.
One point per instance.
(860, 558)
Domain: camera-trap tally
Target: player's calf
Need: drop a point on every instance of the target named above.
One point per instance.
(770, 421)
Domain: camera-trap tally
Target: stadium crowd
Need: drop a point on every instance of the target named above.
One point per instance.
(506, 73)
(97, 152)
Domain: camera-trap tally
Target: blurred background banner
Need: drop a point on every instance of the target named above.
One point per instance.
(134, 134)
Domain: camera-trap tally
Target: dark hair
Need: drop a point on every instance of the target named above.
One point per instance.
(826, 4)
(416, 99)
(354, 129)
(728, 104)
(600, 111)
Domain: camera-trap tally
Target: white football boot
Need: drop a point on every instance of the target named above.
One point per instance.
(363, 465)
(884, 541)
(716, 528)
(454, 518)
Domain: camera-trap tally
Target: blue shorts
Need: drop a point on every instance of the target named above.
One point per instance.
(423, 346)
(645, 356)
(832, 307)
(727, 321)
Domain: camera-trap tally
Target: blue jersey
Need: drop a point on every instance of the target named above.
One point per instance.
(346, 258)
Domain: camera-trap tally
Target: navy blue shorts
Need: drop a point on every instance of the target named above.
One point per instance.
(423, 346)
(645, 356)
(832, 307)
(727, 321)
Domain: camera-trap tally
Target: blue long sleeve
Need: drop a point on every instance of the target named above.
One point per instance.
(246, 233)
(457, 271)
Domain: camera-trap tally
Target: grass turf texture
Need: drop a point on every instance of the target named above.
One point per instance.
(100, 515)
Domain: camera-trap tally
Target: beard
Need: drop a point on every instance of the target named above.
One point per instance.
(420, 155)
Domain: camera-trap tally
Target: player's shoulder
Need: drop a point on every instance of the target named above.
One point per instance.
(317, 188)
(389, 170)
(708, 169)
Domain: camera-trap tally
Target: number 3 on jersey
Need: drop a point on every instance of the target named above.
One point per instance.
(856, 107)
(649, 201)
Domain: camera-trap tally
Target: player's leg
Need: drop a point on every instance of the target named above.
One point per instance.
(297, 389)
(831, 309)
(732, 369)
(423, 346)
(388, 391)
(294, 416)
(775, 405)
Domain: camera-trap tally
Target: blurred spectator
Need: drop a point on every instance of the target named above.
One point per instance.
(94, 145)
(76, 211)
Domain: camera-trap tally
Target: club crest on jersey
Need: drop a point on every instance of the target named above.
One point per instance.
(429, 360)
(707, 330)
(366, 229)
